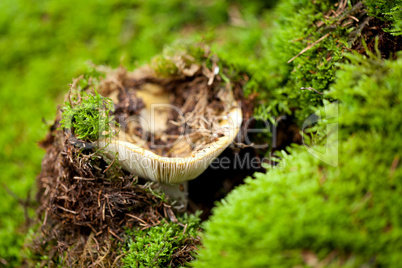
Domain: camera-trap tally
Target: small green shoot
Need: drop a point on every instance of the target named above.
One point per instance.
(90, 118)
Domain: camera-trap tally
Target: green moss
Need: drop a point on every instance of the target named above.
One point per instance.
(395, 16)
(379, 7)
(155, 247)
(263, 48)
(178, 56)
(290, 87)
(306, 211)
(90, 118)
(296, 29)
(270, 43)
(386, 10)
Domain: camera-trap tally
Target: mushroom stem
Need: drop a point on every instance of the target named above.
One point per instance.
(177, 192)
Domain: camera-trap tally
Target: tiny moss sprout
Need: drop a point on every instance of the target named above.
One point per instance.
(89, 117)
(177, 57)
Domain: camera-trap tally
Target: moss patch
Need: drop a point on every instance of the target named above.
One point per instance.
(166, 245)
(306, 212)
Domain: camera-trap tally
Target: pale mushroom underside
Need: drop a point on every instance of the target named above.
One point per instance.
(173, 170)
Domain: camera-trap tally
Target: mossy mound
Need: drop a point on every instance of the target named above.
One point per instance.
(94, 212)
(87, 203)
(308, 213)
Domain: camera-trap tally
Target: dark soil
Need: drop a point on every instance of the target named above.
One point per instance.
(364, 28)
(238, 163)
(216, 182)
(87, 202)
(388, 44)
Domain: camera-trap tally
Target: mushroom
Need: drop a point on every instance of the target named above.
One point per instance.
(172, 171)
